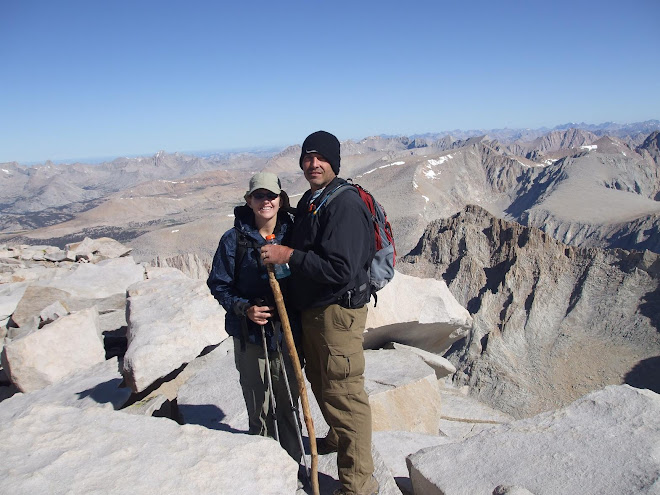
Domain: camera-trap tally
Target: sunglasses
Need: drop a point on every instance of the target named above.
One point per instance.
(259, 196)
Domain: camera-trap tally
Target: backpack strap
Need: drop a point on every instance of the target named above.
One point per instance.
(328, 197)
(242, 245)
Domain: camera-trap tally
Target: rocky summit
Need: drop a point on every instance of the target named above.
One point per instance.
(82, 412)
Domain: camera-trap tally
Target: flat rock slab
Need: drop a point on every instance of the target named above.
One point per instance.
(464, 416)
(403, 392)
(60, 450)
(420, 312)
(98, 386)
(606, 442)
(44, 356)
(94, 281)
(170, 322)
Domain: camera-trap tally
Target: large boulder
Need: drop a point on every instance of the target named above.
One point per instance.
(101, 248)
(605, 442)
(394, 446)
(36, 298)
(170, 322)
(35, 359)
(403, 392)
(420, 312)
(58, 450)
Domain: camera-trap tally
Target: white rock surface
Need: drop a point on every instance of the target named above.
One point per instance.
(104, 247)
(103, 279)
(606, 442)
(464, 416)
(44, 356)
(148, 406)
(417, 312)
(215, 403)
(10, 295)
(395, 446)
(165, 272)
(170, 322)
(442, 366)
(60, 450)
(98, 386)
(52, 312)
(35, 299)
(403, 392)
(511, 490)
(218, 404)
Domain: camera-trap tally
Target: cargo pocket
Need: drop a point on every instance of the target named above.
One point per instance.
(344, 363)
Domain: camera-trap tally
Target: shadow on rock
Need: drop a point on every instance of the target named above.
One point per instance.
(645, 374)
(102, 393)
(650, 307)
(206, 415)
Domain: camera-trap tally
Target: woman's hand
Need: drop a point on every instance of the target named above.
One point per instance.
(260, 314)
(276, 254)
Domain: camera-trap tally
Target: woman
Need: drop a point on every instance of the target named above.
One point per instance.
(239, 281)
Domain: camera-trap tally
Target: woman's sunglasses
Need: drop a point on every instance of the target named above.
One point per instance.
(259, 196)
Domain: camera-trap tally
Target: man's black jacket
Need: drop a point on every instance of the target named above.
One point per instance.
(333, 249)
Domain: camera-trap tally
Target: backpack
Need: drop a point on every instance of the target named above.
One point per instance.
(382, 265)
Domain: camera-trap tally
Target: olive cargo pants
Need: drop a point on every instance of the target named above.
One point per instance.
(334, 365)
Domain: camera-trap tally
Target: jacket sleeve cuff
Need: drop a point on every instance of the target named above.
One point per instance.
(240, 308)
(296, 258)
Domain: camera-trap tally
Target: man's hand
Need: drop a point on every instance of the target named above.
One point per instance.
(276, 254)
(260, 314)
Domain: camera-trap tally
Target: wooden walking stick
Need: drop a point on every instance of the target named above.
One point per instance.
(291, 346)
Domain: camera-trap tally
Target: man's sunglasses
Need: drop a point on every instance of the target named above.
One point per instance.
(261, 196)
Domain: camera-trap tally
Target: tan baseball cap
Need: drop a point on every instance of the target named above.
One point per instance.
(264, 180)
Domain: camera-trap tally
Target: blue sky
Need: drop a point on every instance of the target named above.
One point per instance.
(83, 79)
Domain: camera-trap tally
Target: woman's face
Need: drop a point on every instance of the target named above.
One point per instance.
(264, 203)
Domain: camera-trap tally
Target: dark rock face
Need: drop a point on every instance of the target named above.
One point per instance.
(551, 322)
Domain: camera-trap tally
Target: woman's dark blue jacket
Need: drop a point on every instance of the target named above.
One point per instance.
(252, 284)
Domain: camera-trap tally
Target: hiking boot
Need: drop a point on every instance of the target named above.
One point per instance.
(323, 447)
(371, 487)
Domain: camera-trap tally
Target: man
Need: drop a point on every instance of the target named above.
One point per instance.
(332, 246)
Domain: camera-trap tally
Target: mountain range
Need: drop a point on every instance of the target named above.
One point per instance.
(581, 187)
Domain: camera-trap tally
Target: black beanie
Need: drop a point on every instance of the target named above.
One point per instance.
(326, 145)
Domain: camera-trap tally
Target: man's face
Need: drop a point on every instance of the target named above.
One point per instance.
(317, 170)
